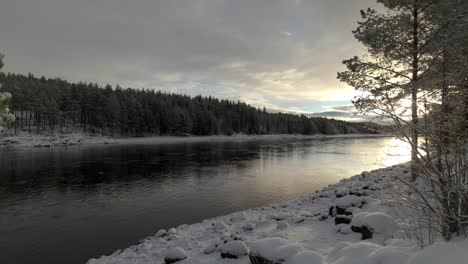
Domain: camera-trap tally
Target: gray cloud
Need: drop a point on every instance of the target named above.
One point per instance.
(273, 53)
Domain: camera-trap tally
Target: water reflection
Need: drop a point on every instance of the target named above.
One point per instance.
(66, 205)
(395, 151)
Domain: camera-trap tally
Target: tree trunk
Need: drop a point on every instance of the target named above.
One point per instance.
(414, 94)
(464, 180)
(443, 133)
(465, 107)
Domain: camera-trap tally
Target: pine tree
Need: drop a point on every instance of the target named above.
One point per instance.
(400, 50)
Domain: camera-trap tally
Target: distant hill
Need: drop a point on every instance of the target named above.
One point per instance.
(55, 105)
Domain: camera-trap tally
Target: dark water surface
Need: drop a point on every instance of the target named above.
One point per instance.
(66, 205)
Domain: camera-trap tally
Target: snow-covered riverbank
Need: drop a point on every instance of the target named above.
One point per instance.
(27, 140)
(353, 221)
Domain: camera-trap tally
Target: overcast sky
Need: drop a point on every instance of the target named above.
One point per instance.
(281, 54)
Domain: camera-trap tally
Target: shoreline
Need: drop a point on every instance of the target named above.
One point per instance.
(27, 140)
(353, 221)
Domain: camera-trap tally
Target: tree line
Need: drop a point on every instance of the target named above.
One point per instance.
(55, 105)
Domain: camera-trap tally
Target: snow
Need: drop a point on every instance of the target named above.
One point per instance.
(451, 252)
(354, 253)
(348, 201)
(278, 249)
(235, 249)
(282, 225)
(273, 249)
(378, 222)
(301, 231)
(306, 257)
(161, 233)
(174, 254)
(219, 226)
(172, 231)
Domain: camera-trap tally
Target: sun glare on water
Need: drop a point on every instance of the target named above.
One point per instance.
(395, 151)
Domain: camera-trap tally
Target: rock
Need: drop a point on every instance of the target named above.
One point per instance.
(238, 217)
(369, 224)
(339, 210)
(219, 226)
(352, 210)
(234, 249)
(279, 217)
(209, 249)
(173, 255)
(226, 236)
(298, 219)
(282, 225)
(348, 201)
(161, 233)
(331, 211)
(248, 227)
(341, 192)
(342, 219)
(356, 229)
(272, 250)
(262, 260)
(366, 233)
(323, 217)
(377, 222)
(356, 193)
(172, 231)
(279, 251)
(344, 229)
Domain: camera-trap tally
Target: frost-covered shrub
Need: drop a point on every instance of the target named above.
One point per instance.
(5, 117)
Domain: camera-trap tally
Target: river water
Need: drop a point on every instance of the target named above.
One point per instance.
(66, 205)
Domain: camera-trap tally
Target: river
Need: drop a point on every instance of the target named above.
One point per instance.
(69, 204)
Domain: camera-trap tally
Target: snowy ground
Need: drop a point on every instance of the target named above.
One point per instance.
(327, 227)
(28, 140)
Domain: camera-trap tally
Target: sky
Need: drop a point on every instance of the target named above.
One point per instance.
(278, 54)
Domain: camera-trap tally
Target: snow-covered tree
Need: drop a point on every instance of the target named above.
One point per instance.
(5, 117)
(399, 51)
(415, 73)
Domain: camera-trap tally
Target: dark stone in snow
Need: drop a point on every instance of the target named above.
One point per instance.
(366, 233)
(261, 260)
(340, 211)
(342, 219)
(170, 260)
(356, 193)
(228, 255)
(331, 211)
